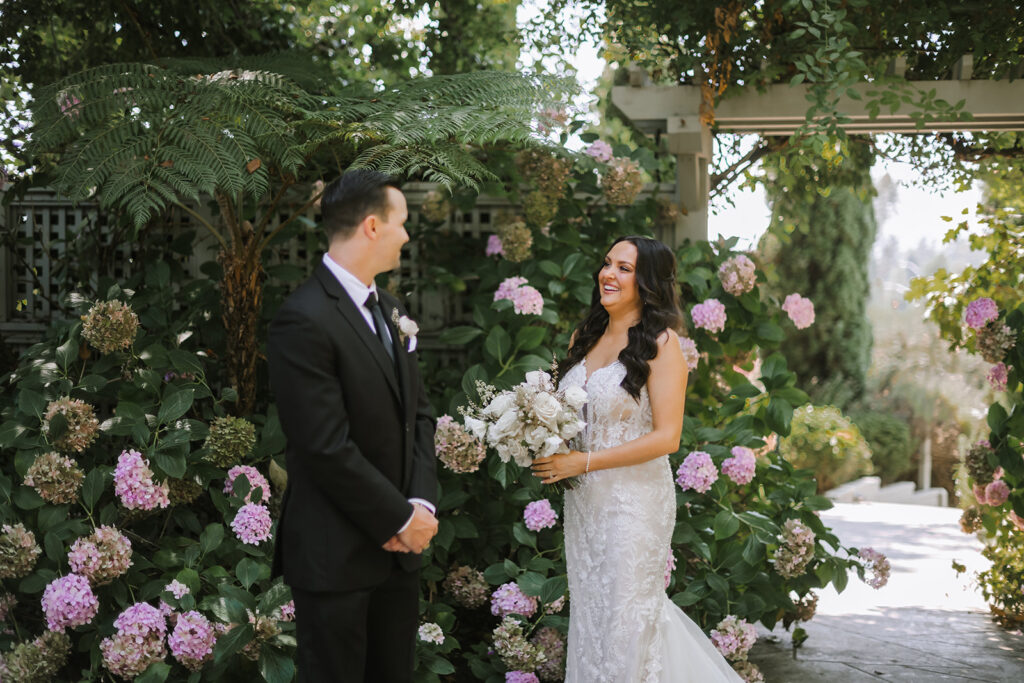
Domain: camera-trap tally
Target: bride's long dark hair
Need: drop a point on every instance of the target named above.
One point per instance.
(659, 296)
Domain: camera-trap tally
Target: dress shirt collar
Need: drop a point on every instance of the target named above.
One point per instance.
(353, 285)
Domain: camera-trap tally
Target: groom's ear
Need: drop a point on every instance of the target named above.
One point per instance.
(369, 227)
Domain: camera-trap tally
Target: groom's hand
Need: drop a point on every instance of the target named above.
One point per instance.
(416, 537)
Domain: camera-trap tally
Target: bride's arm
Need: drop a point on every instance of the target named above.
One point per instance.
(666, 387)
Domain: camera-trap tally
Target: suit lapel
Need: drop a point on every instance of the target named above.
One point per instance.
(402, 359)
(357, 322)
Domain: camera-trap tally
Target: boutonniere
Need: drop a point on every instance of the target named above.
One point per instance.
(407, 329)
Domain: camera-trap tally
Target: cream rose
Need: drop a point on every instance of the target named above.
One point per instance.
(547, 409)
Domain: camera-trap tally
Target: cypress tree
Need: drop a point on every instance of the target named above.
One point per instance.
(819, 244)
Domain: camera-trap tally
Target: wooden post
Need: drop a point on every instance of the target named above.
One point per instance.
(692, 146)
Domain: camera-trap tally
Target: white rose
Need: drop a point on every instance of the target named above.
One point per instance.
(519, 453)
(547, 409)
(576, 397)
(552, 445)
(477, 428)
(503, 452)
(408, 326)
(506, 425)
(535, 437)
(500, 404)
(570, 429)
(538, 379)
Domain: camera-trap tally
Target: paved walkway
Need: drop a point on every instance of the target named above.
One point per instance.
(926, 625)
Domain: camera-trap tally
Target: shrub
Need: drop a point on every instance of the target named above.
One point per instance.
(827, 442)
(889, 439)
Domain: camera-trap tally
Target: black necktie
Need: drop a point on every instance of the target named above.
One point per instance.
(380, 324)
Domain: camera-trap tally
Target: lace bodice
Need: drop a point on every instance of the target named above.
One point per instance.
(618, 529)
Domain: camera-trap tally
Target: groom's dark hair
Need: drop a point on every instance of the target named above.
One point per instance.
(352, 197)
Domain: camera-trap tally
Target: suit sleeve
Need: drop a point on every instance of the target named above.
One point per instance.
(424, 476)
(312, 411)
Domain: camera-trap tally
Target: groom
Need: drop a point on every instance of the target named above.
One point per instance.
(360, 501)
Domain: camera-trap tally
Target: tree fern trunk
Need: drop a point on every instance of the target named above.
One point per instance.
(242, 301)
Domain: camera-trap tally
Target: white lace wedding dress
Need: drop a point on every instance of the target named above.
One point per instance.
(618, 526)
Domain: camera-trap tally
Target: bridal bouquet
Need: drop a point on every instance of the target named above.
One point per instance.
(531, 420)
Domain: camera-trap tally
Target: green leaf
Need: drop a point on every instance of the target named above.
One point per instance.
(779, 416)
(459, 335)
(232, 592)
(496, 574)
(249, 571)
(523, 535)
(996, 418)
(67, 353)
(753, 550)
(156, 672)
(9, 433)
(686, 598)
(175, 405)
(817, 503)
(31, 403)
(26, 498)
(530, 337)
(440, 666)
(769, 331)
(726, 524)
(717, 583)
(276, 595)
(550, 268)
(759, 521)
(185, 361)
(189, 577)
(275, 666)
(92, 488)
(498, 343)
(532, 583)
(232, 641)
(211, 537)
(553, 588)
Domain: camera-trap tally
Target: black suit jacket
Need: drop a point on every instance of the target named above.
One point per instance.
(360, 439)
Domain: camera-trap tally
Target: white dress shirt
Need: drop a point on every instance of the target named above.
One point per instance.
(359, 293)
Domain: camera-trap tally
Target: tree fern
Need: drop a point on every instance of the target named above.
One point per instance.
(179, 130)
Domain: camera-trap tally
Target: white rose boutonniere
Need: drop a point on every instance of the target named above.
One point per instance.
(407, 329)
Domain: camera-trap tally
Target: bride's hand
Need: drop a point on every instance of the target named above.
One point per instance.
(559, 466)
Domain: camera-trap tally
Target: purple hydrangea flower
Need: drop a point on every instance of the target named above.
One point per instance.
(256, 481)
(494, 246)
(709, 314)
(698, 472)
(527, 300)
(508, 286)
(133, 483)
(192, 640)
(979, 312)
(997, 492)
(521, 677)
(599, 150)
(799, 310)
(539, 515)
(509, 599)
(741, 466)
(252, 524)
(69, 601)
(998, 376)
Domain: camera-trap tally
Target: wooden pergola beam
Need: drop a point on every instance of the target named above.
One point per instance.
(673, 112)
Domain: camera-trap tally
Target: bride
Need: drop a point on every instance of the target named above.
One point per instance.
(620, 515)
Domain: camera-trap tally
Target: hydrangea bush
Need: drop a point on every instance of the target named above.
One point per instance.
(139, 510)
(118, 552)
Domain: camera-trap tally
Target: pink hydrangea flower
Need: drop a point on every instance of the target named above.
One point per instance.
(698, 472)
(69, 601)
(979, 494)
(286, 612)
(690, 353)
(670, 567)
(133, 483)
(997, 492)
(599, 150)
(138, 643)
(979, 312)
(741, 466)
(737, 275)
(877, 565)
(494, 246)
(252, 524)
(710, 315)
(734, 637)
(1017, 520)
(998, 376)
(521, 677)
(256, 481)
(177, 589)
(192, 640)
(527, 301)
(508, 286)
(540, 515)
(102, 556)
(509, 599)
(799, 310)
